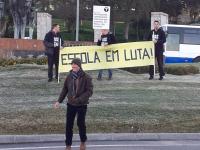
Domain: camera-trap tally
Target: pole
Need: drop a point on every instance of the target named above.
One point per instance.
(77, 20)
(60, 46)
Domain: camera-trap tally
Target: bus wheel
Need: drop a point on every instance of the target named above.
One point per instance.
(196, 60)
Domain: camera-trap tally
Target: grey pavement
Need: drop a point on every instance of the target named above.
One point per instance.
(6, 139)
(109, 145)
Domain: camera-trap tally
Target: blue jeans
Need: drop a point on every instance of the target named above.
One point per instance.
(101, 72)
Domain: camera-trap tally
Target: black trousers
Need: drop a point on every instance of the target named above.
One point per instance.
(159, 58)
(53, 59)
(72, 111)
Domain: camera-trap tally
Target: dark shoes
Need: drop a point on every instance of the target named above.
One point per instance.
(57, 79)
(109, 78)
(151, 78)
(99, 79)
(49, 80)
(161, 78)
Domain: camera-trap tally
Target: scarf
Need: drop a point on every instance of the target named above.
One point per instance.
(75, 76)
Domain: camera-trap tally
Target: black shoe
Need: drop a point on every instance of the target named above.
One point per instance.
(163, 74)
(151, 78)
(57, 79)
(99, 79)
(161, 78)
(110, 78)
(49, 80)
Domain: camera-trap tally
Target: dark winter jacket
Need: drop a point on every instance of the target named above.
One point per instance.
(52, 43)
(108, 39)
(83, 90)
(159, 35)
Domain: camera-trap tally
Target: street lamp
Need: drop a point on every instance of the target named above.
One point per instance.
(77, 19)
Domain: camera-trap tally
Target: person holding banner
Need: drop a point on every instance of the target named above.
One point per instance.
(78, 88)
(157, 35)
(52, 42)
(106, 39)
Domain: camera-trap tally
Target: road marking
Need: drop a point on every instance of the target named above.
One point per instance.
(93, 146)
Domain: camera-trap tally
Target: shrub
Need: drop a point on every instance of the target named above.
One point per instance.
(9, 62)
(137, 70)
(180, 69)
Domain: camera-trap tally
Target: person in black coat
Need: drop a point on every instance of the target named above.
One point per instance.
(52, 42)
(106, 39)
(157, 35)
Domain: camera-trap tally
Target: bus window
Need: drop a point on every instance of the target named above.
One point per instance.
(172, 43)
(191, 39)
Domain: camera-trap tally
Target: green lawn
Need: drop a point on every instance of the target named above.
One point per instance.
(128, 103)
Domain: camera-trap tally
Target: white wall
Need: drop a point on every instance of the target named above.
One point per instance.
(44, 23)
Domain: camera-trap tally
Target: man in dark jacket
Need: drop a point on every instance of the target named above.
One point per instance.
(157, 35)
(106, 39)
(78, 88)
(52, 42)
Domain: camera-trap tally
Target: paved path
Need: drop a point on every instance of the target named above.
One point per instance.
(109, 145)
(112, 141)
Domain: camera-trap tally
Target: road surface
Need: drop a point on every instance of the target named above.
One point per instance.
(110, 145)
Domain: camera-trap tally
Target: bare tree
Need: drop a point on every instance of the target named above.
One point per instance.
(3, 19)
(19, 11)
(193, 7)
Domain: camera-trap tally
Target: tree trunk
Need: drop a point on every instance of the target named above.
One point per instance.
(23, 27)
(16, 31)
(3, 26)
(137, 28)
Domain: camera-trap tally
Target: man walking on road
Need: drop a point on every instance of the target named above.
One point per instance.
(52, 42)
(78, 88)
(157, 35)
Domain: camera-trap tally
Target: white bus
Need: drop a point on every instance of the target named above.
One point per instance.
(182, 44)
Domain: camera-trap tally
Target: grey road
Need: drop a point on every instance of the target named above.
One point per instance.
(110, 145)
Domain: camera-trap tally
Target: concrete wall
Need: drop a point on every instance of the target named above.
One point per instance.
(22, 47)
(160, 16)
(44, 24)
(9, 47)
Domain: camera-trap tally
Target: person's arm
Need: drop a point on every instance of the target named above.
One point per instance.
(47, 42)
(162, 37)
(62, 41)
(83, 98)
(63, 92)
(62, 95)
(112, 39)
(99, 42)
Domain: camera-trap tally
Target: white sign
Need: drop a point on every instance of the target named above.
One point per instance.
(101, 17)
